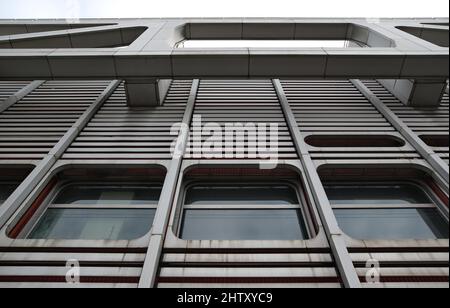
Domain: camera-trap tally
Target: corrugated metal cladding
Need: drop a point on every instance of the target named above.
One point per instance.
(245, 102)
(339, 110)
(32, 126)
(423, 121)
(117, 132)
(8, 88)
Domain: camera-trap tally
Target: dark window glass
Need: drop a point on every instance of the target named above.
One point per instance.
(243, 225)
(392, 224)
(376, 194)
(115, 195)
(6, 190)
(245, 194)
(94, 224)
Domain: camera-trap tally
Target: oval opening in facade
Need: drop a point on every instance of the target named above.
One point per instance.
(438, 141)
(353, 141)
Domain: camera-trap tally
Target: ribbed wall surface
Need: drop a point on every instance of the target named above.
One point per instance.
(27, 267)
(252, 103)
(9, 88)
(117, 132)
(403, 269)
(255, 269)
(31, 127)
(338, 109)
(423, 121)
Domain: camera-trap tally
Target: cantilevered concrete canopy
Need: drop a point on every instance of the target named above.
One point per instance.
(143, 52)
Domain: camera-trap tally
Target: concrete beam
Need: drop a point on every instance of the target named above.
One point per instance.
(146, 92)
(417, 93)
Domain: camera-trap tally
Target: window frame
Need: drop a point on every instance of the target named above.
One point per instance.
(301, 206)
(60, 186)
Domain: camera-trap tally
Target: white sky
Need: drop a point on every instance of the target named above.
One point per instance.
(221, 8)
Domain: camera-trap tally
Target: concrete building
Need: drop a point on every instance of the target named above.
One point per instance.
(224, 153)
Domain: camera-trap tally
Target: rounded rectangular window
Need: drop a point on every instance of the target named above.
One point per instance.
(372, 211)
(392, 224)
(242, 211)
(94, 224)
(98, 212)
(354, 141)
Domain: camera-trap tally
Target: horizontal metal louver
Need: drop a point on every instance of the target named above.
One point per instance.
(25, 267)
(9, 88)
(339, 109)
(249, 270)
(423, 121)
(31, 127)
(246, 102)
(118, 132)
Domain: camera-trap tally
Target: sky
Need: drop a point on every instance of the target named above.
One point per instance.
(31, 9)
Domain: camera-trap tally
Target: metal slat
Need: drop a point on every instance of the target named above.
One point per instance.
(31, 127)
(115, 121)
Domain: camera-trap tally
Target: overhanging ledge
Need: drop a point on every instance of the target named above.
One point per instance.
(152, 55)
(245, 63)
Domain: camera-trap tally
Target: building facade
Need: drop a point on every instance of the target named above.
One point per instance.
(224, 153)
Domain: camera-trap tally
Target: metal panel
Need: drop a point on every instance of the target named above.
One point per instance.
(31, 127)
(337, 108)
(118, 132)
(239, 101)
(9, 88)
(422, 121)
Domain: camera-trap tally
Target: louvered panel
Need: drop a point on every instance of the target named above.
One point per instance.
(99, 269)
(423, 121)
(301, 269)
(338, 109)
(31, 127)
(9, 88)
(118, 132)
(405, 269)
(251, 103)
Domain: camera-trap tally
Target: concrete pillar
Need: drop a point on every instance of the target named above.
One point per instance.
(146, 92)
(417, 93)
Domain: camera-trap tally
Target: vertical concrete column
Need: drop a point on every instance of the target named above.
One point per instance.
(146, 92)
(417, 93)
(334, 234)
(161, 221)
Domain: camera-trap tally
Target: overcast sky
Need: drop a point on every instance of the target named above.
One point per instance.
(221, 8)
